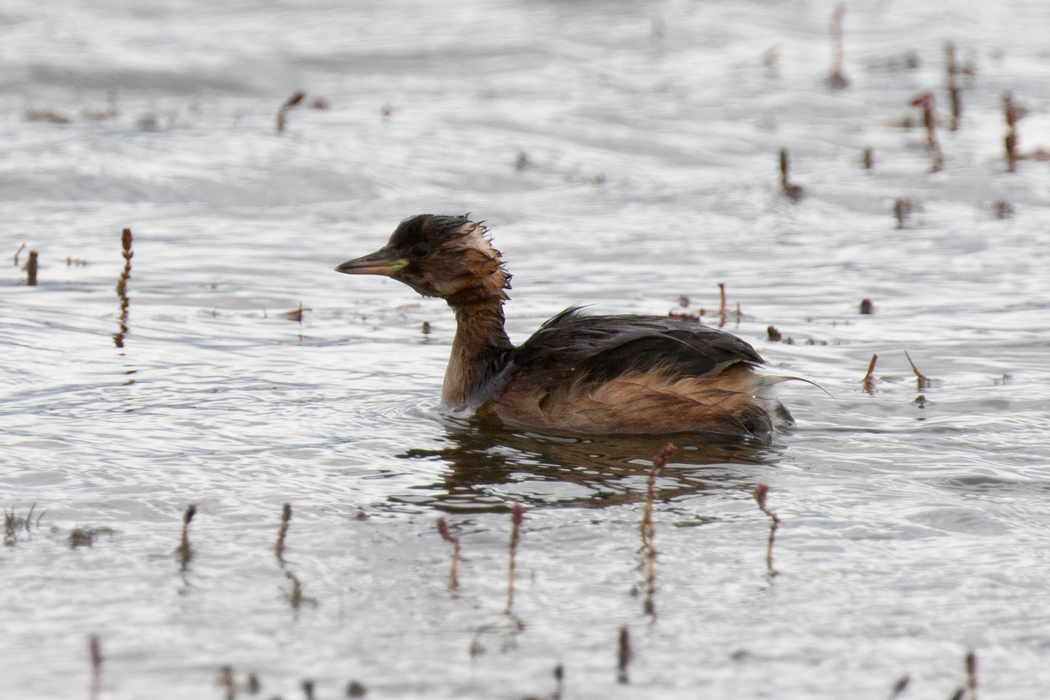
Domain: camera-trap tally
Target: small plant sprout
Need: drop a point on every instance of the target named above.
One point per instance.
(867, 159)
(122, 287)
(761, 492)
(902, 209)
(1013, 114)
(286, 518)
(289, 104)
(184, 550)
(646, 527)
(968, 691)
(127, 254)
(869, 379)
(31, 269)
(443, 530)
(623, 657)
(13, 523)
(921, 380)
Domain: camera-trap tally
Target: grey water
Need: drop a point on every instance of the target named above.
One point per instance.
(623, 155)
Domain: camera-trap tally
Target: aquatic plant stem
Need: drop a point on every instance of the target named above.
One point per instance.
(761, 491)
(869, 379)
(122, 287)
(624, 656)
(31, 269)
(442, 527)
(646, 527)
(290, 103)
(184, 550)
(921, 380)
(278, 548)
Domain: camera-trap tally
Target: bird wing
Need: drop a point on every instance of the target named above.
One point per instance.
(595, 349)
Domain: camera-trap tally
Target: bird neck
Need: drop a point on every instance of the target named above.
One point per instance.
(479, 349)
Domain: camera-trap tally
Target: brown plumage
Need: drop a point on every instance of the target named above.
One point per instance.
(578, 374)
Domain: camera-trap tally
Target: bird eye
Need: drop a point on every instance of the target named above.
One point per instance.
(419, 250)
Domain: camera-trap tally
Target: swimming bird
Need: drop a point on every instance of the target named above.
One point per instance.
(578, 374)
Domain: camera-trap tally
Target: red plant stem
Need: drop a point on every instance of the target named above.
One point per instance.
(761, 491)
(624, 656)
(122, 286)
(442, 527)
(869, 378)
(646, 527)
(184, 550)
(289, 104)
(286, 517)
(1012, 137)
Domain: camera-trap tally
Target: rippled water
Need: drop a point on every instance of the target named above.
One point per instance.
(912, 529)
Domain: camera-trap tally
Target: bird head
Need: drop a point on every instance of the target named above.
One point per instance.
(449, 257)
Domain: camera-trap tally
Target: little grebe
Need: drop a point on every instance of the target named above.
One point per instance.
(578, 373)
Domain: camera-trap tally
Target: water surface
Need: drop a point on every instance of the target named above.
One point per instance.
(913, 529)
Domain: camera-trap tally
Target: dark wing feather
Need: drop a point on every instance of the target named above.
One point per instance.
(574, 346)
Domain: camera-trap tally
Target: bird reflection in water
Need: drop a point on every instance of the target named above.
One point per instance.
(482, 457)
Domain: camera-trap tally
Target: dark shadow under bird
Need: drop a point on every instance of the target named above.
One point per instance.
(579, 374)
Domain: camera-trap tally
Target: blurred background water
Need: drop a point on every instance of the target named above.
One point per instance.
(623, 154)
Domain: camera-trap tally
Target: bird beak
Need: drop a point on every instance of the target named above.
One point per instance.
(381, 262)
